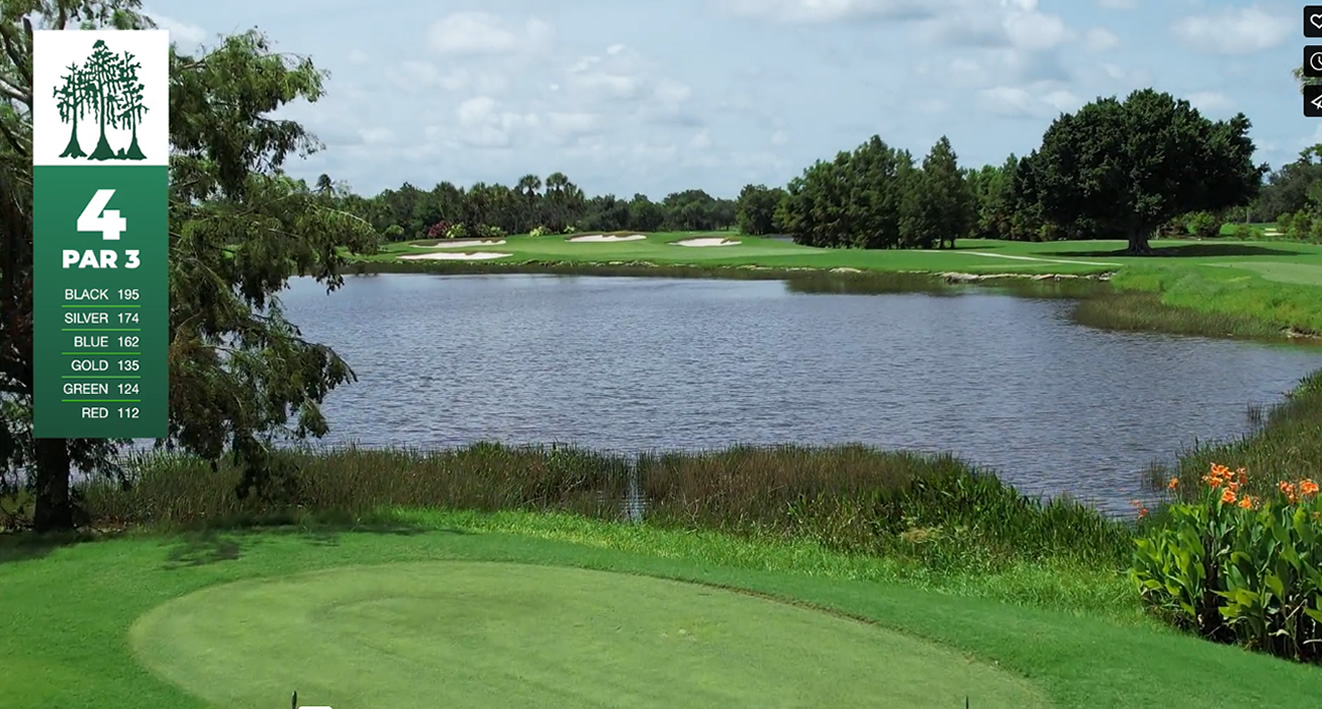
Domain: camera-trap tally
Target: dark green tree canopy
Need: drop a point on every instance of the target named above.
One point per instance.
(755, 209)
(1129, 166)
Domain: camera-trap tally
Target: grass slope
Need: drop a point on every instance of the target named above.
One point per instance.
(70, 646)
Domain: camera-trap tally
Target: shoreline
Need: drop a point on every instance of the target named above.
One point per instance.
(1097, 286)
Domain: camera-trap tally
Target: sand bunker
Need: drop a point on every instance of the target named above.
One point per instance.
(606, 238)
(451, 256)
(706, 241)
(459, 243)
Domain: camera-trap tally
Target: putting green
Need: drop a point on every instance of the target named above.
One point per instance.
(479, 634)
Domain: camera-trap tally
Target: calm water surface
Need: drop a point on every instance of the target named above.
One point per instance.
(645, 363)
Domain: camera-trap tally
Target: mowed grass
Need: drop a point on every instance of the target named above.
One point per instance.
(470, 634)
(98, 624)
(970, 255)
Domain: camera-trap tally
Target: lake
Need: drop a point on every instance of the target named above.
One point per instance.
(632, 364)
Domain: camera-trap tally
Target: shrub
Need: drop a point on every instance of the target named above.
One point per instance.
(1285, 223)
(1176, 227)
(1244, 232)
(490, 231)
(456, 231)
(1314, 231)
(1234, 566)
(1204, 225)
(570, 229)
(539, 231)
(1050, 232)
(394, 232)
(439, 230)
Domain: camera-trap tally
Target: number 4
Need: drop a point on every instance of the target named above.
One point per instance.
(109, 223)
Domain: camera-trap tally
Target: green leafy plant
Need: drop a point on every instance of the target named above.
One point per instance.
(1204, 225)
(539, 231)
(456, 231)
(1239, 567)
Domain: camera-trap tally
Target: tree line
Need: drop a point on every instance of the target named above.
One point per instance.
(531, 205)
(1132, 169)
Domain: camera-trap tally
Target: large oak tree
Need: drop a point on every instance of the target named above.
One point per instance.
(240, 228)
(1130, 166)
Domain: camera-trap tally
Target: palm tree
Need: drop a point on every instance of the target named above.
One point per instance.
(528, 186)
(72, 102)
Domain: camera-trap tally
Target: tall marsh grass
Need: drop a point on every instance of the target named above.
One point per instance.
(934, 510)
(1288, 445)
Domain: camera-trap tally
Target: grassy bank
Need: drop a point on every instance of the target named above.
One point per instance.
(93, 625)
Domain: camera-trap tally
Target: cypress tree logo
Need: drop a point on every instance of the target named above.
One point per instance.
(103, 90)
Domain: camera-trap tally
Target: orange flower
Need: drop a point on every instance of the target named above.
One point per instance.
(1228, 496)
(1174, 483)
(1142, 512)
(1307, 487)
(1246, 502)
(1286, 487)
(1217, 475)
(1243, 476)
(1232, 486)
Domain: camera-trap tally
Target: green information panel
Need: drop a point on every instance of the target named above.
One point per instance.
(100, 244)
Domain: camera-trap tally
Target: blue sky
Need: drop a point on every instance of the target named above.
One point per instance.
(655, 97)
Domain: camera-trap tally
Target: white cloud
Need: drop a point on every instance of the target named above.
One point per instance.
(379, 135)
(672, 93)
(653, 152)
(1017, 24)
(1234, 31)
(481, 33)
(566, 127)
(483, 124)
(1210, 101)
(1118, 4)
(185, 34)
(1100, 39)
(358, 56)
(701, 140)
(818, 11)
(1029, 29)
(1022, 101)
(419, 77)
(780, 137)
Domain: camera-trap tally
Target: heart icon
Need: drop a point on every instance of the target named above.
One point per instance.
(1316, 20)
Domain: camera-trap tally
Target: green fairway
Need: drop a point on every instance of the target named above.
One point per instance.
(1307, 274)
(465, 634)
(971, 255)
(160, 622)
